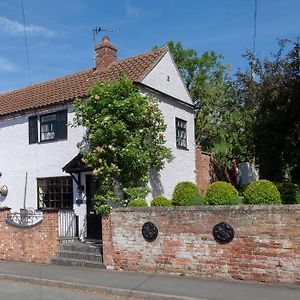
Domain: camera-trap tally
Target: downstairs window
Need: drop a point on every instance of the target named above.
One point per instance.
(55, 192)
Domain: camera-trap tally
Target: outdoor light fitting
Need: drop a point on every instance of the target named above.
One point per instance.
(3, 190)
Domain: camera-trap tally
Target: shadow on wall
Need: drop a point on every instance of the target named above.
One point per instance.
(83, 230)
(155, 183)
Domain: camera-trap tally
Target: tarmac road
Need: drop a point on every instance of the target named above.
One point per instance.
(10, 290)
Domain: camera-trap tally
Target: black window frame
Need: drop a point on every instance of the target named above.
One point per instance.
(55, 192)
(181, 133)
(57, 125)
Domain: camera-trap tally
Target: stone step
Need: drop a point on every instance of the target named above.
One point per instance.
(77, 263)
(81, 255)
(81, 247)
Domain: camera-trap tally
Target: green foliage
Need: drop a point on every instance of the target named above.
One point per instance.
(196, 200)
(221, 193)
(262, 192)
(272, 102)
(183, 193)
(124, 130)
(220, 127)
(298, 198)
(161, 201)
(136, 192)
(139, 202)
(288, 192)
(239, 200)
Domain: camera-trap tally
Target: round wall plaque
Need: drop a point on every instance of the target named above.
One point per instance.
(223, 233)
(149, 231)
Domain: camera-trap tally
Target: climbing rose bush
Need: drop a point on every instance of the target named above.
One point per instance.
(125, 136)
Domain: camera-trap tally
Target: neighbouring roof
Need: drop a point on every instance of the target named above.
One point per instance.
(77, 85)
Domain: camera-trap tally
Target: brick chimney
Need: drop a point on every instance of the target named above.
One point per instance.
(106, 53)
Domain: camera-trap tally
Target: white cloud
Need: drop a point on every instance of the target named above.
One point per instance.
(15, 28)
(133, 11)
(6, 65)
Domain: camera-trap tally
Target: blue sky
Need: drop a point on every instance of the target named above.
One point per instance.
(59, 32)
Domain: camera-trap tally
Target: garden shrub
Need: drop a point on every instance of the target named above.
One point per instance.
(288, 192)
(161, 201)
(239, 200)
(139, 202)
(184, 192)
(221, 193)
(196, 200)
(298, 197)
(262, 192)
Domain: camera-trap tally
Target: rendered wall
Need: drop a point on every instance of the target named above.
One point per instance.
(266, 246)
(39, 160)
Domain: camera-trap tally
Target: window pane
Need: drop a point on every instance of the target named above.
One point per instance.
(55, 192)
(181, 136)
(48, 118)
(54, 126)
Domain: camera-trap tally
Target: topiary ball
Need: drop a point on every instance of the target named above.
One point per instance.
(161, 201)
(184, 192)
(262, 192)
(139, 202)
(221, 193)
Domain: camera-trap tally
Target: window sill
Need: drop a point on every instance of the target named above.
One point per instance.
(182, 148)
(51, 141)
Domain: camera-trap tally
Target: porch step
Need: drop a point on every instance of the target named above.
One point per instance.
(80, 256)
(77, 263)
(78, 253)
(81, 247)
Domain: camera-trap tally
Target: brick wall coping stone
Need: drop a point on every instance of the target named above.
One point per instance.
(4, 208)
(49, 209)
(212, 208)
(22, 226)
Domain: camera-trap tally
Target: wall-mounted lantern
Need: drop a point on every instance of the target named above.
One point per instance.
(3, 190)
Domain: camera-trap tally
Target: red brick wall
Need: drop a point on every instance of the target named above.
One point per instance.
(203, 170)
(266, 246)
(38, 244)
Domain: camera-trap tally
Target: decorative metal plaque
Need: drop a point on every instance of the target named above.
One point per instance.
(149, 231)
(223, 233)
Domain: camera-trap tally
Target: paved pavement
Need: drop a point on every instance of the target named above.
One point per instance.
(152, 286)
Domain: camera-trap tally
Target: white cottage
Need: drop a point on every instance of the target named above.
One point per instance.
(39, 159)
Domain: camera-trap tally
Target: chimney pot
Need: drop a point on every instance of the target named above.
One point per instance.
(105, 40)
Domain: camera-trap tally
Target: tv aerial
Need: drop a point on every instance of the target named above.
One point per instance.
(97, 30)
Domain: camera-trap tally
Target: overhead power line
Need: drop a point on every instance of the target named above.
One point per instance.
(254, 29)
(26, 44)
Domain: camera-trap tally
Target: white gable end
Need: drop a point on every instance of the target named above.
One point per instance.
(165, 77)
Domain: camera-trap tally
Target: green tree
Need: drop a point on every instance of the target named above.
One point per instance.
(219, 122)
(125, 133)
(272, 102)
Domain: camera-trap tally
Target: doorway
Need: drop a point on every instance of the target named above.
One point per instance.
(93, 221)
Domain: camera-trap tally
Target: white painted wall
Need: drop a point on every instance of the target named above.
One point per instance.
(47, 159)
(39, 160)
(165, 78)
(182, 168)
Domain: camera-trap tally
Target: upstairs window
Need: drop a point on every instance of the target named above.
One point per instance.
(48, 127)
(181, 135)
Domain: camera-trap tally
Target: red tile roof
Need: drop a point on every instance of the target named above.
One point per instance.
(77, 85)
